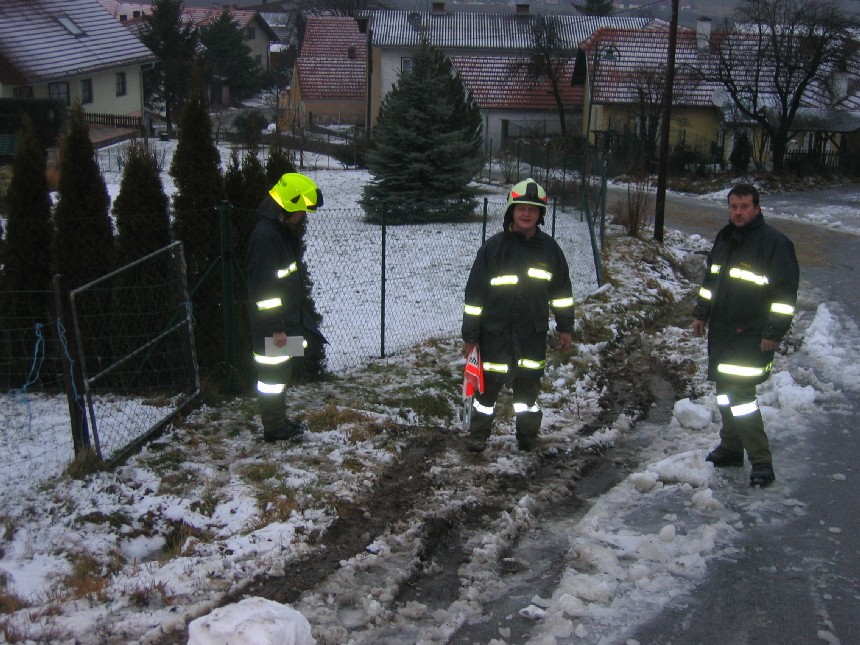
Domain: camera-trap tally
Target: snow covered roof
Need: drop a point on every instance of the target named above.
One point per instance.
(627, 56)
(481, 30)
(332, 60)
(53, 39)
(499, 83)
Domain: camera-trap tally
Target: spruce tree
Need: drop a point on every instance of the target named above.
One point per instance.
(427, 145)
(279, 162)
(594, 7)
(228, 57)
(234, 187)
(195, 169)
(174, 42)
(199, 191)
(83, 240)
(27, 260)
(141, 209)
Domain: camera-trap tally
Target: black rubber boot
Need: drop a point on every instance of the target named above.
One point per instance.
(528, 428)
(762, 475)
(722, 458)
(289, 431)
(479, 431)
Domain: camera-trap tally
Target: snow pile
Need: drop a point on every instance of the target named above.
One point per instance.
(252, 621)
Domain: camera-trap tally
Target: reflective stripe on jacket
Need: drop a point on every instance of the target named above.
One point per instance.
(275, 286)
(513, 285)
(749, 293)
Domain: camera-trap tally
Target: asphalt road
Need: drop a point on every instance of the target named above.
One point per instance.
(797, 583)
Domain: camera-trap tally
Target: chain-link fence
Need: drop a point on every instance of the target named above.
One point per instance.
(135, 345)
(101, 368)
(35, 439)
(379, 289)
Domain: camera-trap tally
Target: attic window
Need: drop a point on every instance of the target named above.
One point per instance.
(351, 52)
(70, 26)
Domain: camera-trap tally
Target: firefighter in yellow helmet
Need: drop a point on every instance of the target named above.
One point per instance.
(280, 324)
(518, 277)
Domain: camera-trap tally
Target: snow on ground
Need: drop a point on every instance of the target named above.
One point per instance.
(840, 210)
(92, 560)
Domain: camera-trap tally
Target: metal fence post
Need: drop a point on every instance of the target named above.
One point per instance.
(72, 375)
(602, 202)
(554, 210)
(598, 266)
(484, 227)
(382, 294)
(184, 306)
(225, 211)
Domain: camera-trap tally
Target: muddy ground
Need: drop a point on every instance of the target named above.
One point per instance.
(635, 382)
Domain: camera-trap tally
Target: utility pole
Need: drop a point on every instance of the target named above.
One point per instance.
(666, 119)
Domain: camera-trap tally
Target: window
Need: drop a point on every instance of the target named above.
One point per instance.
(405, 64)
(70, 26)
(120, 84)
(59, 91)
(25, 92)
(251, 33)
(86, 90)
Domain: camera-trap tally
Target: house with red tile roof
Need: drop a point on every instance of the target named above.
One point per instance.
(623, 75)
(513, 104)
(493, 40)
(329, 78)
(624, 85)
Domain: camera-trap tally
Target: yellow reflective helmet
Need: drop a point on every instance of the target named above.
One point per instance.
(295, 192)
(527, 191)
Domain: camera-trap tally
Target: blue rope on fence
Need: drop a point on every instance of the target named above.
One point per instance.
(36, 365)
(61, 335)
(19, 395)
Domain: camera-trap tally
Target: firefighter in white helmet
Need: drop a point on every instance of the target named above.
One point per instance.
(518, 277)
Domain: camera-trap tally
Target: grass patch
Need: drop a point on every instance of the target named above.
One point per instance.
(208, 501)
(115, 520)
(332, 417)
(276, 503)
(85, 463)
(178, 481)
(152, 594)
(259, 472)
(178, 535)
(426, 405)
(10, 603)
(89, 577)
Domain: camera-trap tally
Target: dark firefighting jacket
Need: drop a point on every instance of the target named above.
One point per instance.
(275, 284)
(749, 293)
(513, 285)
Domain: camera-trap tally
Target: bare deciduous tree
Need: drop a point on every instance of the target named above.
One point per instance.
(547, 59)
(782, 55)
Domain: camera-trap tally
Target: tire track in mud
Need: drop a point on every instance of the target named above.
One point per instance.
(635, 384)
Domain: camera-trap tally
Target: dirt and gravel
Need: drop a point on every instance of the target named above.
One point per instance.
(635, 384)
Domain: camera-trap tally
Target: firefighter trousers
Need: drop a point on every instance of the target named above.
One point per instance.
(743, 427)
(528, 415)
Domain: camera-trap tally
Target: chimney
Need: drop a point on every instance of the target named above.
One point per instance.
(703, 34)
(522, 9)
(438, 7)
